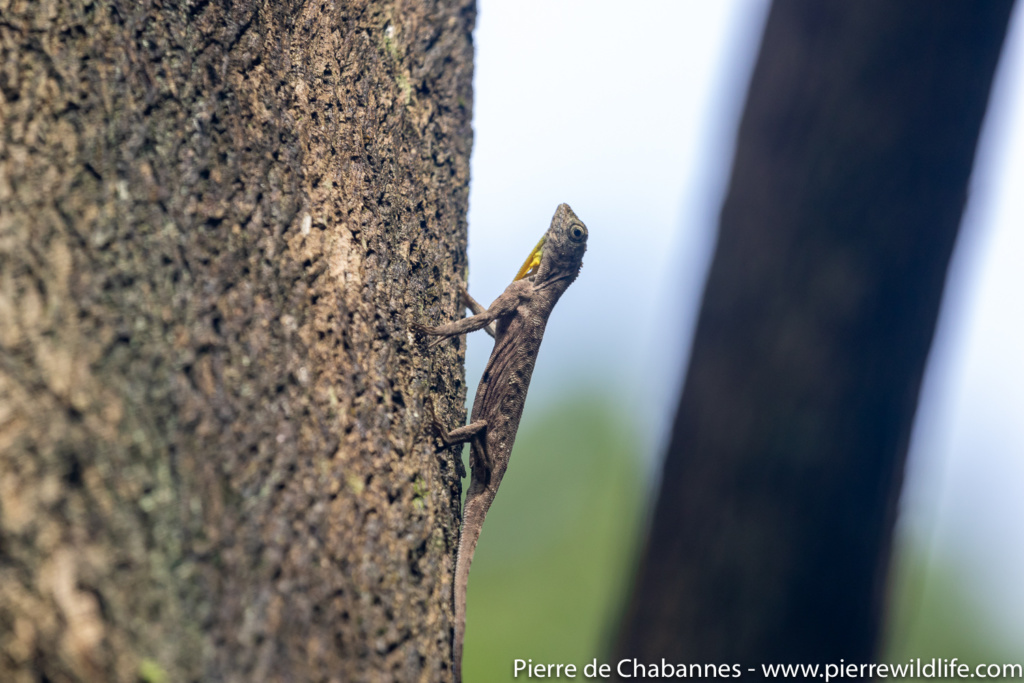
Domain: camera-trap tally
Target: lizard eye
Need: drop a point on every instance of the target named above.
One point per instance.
(577, 233)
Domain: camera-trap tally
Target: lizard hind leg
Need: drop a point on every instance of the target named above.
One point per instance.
(464, 434)
(457, 435)
(471, 432)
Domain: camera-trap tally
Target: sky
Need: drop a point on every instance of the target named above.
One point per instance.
(630, 119)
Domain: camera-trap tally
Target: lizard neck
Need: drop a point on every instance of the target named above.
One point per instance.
(555, 281)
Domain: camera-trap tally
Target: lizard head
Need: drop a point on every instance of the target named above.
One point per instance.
(559, 254)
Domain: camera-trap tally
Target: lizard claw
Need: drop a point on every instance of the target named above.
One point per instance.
(442, 436)
(439, 431)
(423, 331)
(460, 467)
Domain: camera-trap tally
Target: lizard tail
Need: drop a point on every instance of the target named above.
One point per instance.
(478, 501)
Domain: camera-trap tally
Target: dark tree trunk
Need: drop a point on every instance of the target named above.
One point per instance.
(217, 220)
(772, 532)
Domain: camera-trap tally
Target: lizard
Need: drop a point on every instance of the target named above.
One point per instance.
(516, 320)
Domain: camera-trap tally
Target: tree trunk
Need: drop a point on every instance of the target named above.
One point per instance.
(217, 220)
(772, 532)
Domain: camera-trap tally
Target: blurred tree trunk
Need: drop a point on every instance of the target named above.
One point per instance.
(217, 220)
(771, 536)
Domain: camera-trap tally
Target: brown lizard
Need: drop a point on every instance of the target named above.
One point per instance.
(519, 316)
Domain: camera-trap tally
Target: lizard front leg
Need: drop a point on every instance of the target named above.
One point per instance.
(442, 332)
(505, 304)
(475, 306)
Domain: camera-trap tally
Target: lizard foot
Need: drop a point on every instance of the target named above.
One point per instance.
(423, 331)
(441, 434)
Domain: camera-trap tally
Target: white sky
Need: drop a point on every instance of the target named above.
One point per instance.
(629, 117)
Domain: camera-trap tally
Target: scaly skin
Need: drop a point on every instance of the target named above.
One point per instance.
(519, 316)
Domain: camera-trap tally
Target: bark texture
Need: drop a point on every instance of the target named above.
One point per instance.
(217, 220)
(771, 536)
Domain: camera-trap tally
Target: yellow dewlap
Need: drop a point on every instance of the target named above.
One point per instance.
(532, 261)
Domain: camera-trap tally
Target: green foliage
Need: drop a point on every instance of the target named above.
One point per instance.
(934, 615)
(554, 558)
(151, 672)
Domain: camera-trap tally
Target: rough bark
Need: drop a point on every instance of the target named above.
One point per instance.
(771, 537)
(217, 220)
